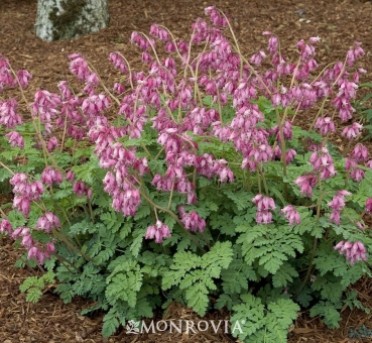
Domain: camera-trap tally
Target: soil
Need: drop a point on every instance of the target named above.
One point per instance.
(338, 23)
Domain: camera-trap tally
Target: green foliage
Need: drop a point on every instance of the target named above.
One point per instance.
(124, 283)
(262, 274)
(263, 322)
(364, 107)
(268, 245)
(34, 286)
(255, 271)
(194, 274)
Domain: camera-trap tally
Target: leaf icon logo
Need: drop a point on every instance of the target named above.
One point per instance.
(132, 327)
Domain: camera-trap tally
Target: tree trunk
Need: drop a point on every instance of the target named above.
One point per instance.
(65, 19)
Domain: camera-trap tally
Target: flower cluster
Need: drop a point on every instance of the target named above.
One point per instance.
(325, 125)
(49, 176)
(48, 222)
(180, 99)
(25, 192)
(291, 214)
(158, 232)
(353, 251)
(36, 251)
(192, 220)
(15, 139)
(322, 163)
(11, 79)
(264, 206)
(337, 204)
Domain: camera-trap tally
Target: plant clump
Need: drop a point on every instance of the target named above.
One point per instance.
(200, 189)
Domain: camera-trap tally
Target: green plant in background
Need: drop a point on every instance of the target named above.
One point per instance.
(364, 108)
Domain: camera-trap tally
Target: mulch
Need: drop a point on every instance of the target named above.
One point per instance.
(339, 23)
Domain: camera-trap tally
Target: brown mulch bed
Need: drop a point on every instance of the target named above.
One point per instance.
(339, 23)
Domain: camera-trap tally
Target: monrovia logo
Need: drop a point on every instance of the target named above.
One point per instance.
(183, 326)
(132, 327)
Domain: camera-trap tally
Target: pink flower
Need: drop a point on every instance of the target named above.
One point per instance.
(127, 201)
(52, 143)
(8, 114)
(23, 77)
(27, 240)
(264, 217)
(357, 174)
(325, 125)
(353, 252)
(261, 153)
(15, 139)
(46, 105)
(291, 214)
(22, 204)
(215, 16)
(95, 104)
(48, 222)
(41, 255)
(287, 130)
(70, 176)
(20, 231)
(355, 53)
(360, 153)
(192, 220)
(257, 58)
(25, 192)
(119, 88)
(6, 226)
(137, 39)
(338, 201)
(263, 203)
(158, 232)
(306, 184)
(352, 131)
(273, 44)
(79, 67)
(322, 163)
(81, 189)
(337, 204)
(159, 32)
(118, 61)
(290, 155)
(264, 206)
(50, 176)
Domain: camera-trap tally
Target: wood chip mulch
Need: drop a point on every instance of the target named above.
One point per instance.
(338, 22)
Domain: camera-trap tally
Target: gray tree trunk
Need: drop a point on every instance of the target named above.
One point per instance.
(65, 19)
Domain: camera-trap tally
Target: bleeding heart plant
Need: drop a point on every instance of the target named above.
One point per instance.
(188, 181)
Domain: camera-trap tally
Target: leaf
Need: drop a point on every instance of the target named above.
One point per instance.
(328, 312)
(241, 198)
(138, 236)
(282, 313)
(284, 275)
(110, 323)
(250, 314)
(182, 263)
(195, 274)
(270, 245)
(124, 283)
(261, 323)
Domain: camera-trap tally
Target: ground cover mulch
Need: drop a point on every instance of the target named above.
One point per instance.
(338, 23)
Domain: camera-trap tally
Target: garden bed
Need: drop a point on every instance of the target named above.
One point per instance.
(338, 23)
